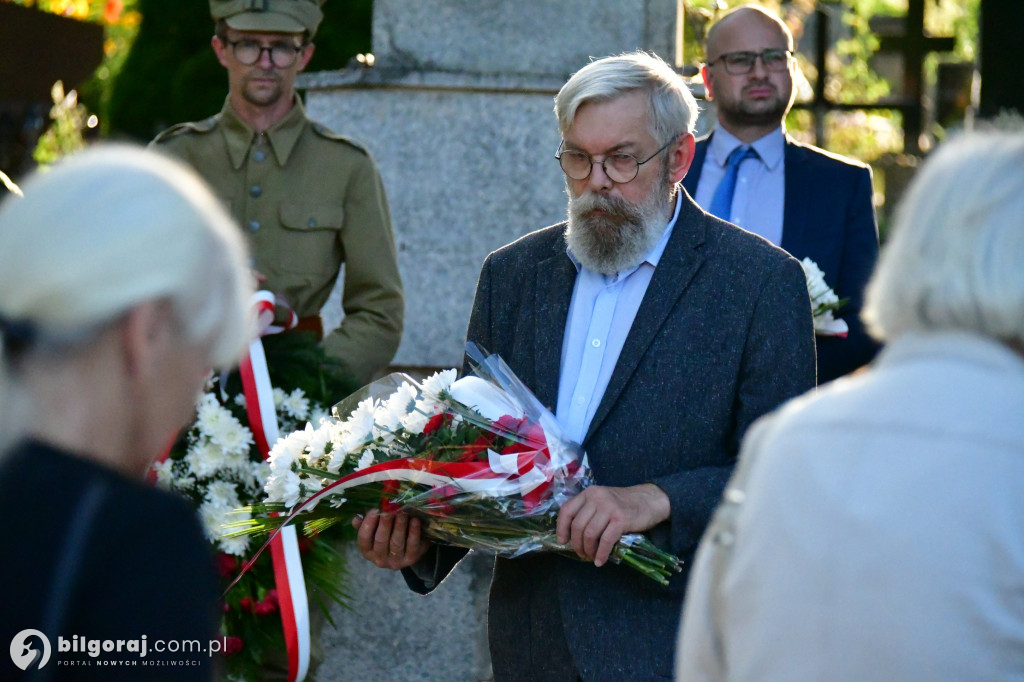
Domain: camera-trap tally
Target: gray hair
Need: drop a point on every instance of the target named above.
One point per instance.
(112, 228)
(672, 108)
(956, 258)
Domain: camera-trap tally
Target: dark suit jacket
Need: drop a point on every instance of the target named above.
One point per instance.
(722, 336)
(828, 217)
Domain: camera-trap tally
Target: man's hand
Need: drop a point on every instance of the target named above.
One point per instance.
(594, 520)
(392, 541)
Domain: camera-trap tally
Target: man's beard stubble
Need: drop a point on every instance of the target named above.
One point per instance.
(746, 113)
(262, 99)
(621, 237)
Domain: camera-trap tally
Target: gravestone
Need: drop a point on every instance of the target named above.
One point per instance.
(457, 110)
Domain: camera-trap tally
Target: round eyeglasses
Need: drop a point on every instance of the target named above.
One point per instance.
(248, 52)
(742, 63)
(620, 168)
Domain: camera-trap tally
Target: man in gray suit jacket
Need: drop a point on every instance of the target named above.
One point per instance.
(657, 334)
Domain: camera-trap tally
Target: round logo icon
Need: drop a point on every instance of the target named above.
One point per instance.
(26, 651)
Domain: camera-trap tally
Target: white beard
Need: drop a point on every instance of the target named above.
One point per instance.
(619, 239)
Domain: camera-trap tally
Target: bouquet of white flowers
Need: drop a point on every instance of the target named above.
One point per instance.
(480, 460)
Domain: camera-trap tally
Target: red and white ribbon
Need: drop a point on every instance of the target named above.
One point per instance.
(259, 405)
(529, 474)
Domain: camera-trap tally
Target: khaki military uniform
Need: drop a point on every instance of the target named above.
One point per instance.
(308, 200)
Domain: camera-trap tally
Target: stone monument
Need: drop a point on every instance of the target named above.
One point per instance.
(457, 109)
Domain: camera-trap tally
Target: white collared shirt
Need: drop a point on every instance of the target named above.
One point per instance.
(600, 316)
(759, 199)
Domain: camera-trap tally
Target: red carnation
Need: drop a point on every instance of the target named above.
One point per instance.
(226, 565)
(232, 645)
(436, 422)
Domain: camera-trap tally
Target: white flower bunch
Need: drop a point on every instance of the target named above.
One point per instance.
(342, 447)
(221, 469)
(824, 301)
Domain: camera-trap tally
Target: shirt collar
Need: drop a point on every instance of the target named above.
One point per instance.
(654, 255)
(281, 137)
(770, 148)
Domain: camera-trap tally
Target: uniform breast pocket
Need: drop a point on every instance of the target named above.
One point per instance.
(309, 241)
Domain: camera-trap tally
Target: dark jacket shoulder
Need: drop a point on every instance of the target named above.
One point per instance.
(823, 157)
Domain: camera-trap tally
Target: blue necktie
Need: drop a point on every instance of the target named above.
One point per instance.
(721, 203)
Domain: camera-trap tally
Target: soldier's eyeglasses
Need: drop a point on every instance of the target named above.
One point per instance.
(248, 52)
(741, 63)
(620, 168)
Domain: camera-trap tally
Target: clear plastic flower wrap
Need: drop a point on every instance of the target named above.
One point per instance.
(479, 460)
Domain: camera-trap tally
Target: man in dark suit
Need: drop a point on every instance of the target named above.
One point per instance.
(657, 333)
(812, 203)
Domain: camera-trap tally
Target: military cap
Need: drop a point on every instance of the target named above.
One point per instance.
(275, 16)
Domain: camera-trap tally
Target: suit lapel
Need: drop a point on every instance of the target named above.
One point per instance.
(678, 265)
(795, 205)
(556, 278)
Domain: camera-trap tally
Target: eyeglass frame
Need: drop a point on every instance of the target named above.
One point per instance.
(269, 49)
(561, 152)
(753, 62)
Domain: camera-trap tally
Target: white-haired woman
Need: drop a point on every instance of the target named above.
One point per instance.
(122, 282)
(875, 531)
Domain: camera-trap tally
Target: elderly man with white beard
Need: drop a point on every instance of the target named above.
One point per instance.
(656, 333)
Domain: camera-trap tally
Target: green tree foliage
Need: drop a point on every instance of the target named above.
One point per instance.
(172, 75)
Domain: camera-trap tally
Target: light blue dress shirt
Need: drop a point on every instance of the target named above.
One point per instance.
(759, 199)
(600, 316)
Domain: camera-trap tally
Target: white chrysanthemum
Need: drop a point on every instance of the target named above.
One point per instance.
(283, 486)
(223, 494)
(260, 471)
(317, 414)
(439, 382)
(365, 460)
(236, 546)
(359, 425)
(279, 397)
(337, 501)
(318, 440)
(337, 460)
(422, 411)
(240, 400)
(296, 404)
(819, 291)
(164, 473)
(236, 462)
(213, 517)
(204, 459)
(210, 414)
(287, 450)
(232, 436)
(311, 486)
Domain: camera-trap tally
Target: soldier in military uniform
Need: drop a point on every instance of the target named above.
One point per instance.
(308, 199)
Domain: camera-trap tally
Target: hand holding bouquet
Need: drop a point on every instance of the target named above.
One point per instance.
(479, 460)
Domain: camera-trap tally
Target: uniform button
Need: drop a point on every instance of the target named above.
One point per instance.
(259, 156)
(580, 400)
(255, 191)
(254, 225)
(312, 222)
(596, 343)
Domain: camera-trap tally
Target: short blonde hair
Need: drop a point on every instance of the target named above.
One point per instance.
(956, 257)
(672, 110)
(114, 227)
